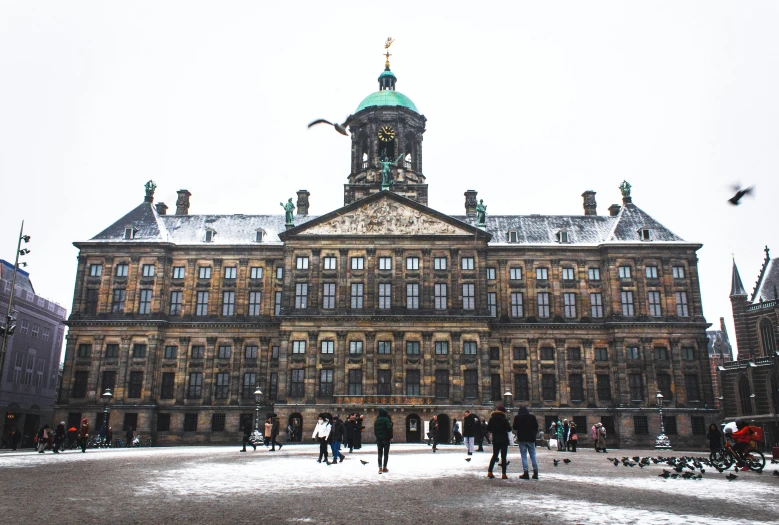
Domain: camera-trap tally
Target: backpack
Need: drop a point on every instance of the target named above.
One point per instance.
(603, 432)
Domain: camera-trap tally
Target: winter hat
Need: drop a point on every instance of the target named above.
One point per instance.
(383, 412)
(84, 420)
(501, 408)
(523, 410)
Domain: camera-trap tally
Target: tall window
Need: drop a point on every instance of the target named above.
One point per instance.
(548, 387)
(222, 385)
(576, 384)
(767, 337)
(543, 304)
(604, 387)
(542, 274)
(466, 263)
(329, 263)
(385, 263)
(442, 348)
(471, 384)
(297, 385)
(640, 425)
(412, 382)
(201, 306)
(280, 273)
(651, 272)
(356, 296)
(122, 270)
(490, 274)
(567, 274)
(228, 304)
(440, 296)
(117, 305)
(693, 387)
(250, 352)
(688, 353)
(256, 272)
(412, 296)
(547, 353)
(442, 384)
(198, 352)
(627, 304)
(327, 347)
(496, 394)
(230, 272)
(520, 353)
(112, 350)
(624, 272)
(470, 348)
(355, 383)
(139, 351)
(744, 391)
(601, 354)
(248, 386)
(80, 378)
(135, 385)
(439, 263)
(301, 295)
(277, 303)
(681, 304)
(633, 353)
(298, 347)
(661, 353)
(596, 305)
(521, 387)
(176, 298)
(678, 272)
(384, 382)
(224, 352)
(670, 425)
(218, 422)
(147, 270)
(190, 422)
(655, 309)
(569, 302)
(492, 303)
(468, 297)
(575, 354)
(355, 347)
(593, 274)
(170, 352)
(517, 304)
(494, 353)
(168, 385)
(301, 263)
(84, 350)
(144, 305)
(255, 300)
(358, 263)
(515, 274)
(204, 272)
(412, 347)
(384, 347)
(636, 382)
(385, 296)
(273, 390)
(325, 382)
(328, 296)
(195, 385)
(412, 263)
(91, 301)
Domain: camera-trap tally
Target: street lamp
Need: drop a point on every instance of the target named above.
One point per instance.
(106, 397)
(7, 329)
(662, 442)
(507, 398)
(258, 399)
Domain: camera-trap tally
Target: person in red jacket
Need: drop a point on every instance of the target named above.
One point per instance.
(742, 436)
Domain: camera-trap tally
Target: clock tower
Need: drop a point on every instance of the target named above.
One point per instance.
(386, 135)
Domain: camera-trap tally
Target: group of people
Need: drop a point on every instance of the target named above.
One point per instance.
(56, 439)
(526, 427)
(331, 430)
(564, 433)
(474, 432)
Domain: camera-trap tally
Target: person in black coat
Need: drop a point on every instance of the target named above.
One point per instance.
(358, 433)
(59, 437)
(500, 428)
(336, 437)
(352, 428)
(471, 425)
(479, 429)
(15, 438)
(247, 432)
(433, 432)
(526, 426)
(715, 437)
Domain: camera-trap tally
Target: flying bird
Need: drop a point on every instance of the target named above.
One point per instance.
(739, 194)
(340, 128)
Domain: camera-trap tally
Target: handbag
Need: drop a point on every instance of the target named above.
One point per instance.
(575, 438)
(553, 442)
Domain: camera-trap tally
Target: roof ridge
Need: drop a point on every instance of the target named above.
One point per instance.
(613, 230)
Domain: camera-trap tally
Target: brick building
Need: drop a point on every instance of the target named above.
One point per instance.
(387, 302)
(720, 352)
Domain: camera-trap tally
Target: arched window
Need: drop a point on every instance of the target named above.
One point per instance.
(744, 391)
(407, 161)
(364, 160)
(767, 337)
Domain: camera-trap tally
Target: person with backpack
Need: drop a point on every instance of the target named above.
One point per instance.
(383, 431)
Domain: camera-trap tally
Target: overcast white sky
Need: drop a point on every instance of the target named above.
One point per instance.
(530, 103)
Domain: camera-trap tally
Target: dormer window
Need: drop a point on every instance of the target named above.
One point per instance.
(562, 237)
(129, 233)
(645, 234)
(258, 235)
(513, 237)
(210, 234)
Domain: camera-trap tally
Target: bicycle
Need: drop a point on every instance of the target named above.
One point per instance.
(724, 457)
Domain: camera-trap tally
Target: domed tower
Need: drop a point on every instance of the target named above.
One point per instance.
(387, 127)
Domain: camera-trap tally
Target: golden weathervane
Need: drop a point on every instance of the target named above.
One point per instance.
(387, 54)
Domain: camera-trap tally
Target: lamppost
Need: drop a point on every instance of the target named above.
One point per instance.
(662, 442)
(106, 397)
(507, 398)
(7, 329)
(258, 400)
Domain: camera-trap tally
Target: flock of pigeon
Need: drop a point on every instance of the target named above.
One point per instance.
(684, 467)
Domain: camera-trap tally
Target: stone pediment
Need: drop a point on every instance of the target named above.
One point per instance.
(384, 216)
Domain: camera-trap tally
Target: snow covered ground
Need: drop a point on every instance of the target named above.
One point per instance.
(589, 490)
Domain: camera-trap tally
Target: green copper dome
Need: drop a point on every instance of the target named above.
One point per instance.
(387, 97)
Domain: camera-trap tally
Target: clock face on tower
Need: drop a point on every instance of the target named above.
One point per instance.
(386, 133)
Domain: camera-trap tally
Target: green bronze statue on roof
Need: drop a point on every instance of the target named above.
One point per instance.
(625, 188)
(386, 171)
(288, 209)
(481, 214)
(150, 187)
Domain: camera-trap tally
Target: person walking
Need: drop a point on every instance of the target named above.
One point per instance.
(552, 435)
(572, 439)
(247, 433)
(715, 438)
(109, 435)
(14, 438)
(560, 436)
(383, 431)
(351, 430)
(274, 433)
(471, 425)
(594, 436)
(565, 435)
(267, 431)
(458, 437)
(43, 438)
(485, 432)
(526, 426)
(129, 437)
(83, 435)
(500, 428)
(602, 437)
(321, 433)
(337, 434)
(59, 437)
(432, 431)
(479, 433)
(358, 433)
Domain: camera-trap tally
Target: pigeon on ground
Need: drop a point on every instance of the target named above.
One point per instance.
(664, 475)
(556, 462)
(776, 472)
(674, 476)
(566, 461)
(636, 459)
(731, 477)
(616, 463)
(734, 200)
(363, 462)
(467, 459)
(340, 128)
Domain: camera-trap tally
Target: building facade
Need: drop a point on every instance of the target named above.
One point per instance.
(750, 385)
(720, 352)
(386, 302)
(28, 385)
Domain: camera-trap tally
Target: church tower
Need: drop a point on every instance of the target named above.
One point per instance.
(386, 128)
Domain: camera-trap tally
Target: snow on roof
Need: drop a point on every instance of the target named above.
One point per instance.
(768, 290)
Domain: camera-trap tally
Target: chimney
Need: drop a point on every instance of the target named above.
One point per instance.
(470, 203)
(614, 209)
(162, 208)
(182, 203)
(590, 206)
(303, 202)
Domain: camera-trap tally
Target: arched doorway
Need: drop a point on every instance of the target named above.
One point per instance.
(413, 429)
(295, 428)
(444, 428)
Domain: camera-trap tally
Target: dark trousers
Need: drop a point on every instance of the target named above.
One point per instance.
(322, 449)
(247, 442)
(83, 443)
(383, 445)
(503, 451)
(435, 441)
(273, 443)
